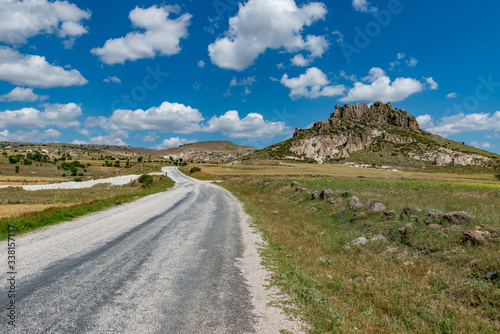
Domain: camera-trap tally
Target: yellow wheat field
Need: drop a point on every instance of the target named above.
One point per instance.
(16, 210)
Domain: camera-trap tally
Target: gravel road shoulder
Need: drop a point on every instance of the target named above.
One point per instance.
(270, 319)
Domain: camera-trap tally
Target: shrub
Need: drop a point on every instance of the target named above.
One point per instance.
(146, 180)
(194, 170)
(498, 176)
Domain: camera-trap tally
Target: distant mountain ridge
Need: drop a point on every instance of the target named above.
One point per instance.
(219, 150)
(376, 134)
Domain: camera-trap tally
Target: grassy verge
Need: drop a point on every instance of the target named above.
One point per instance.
(428, 281)
(83, 202)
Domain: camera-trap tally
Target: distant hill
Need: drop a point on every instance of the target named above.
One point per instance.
(377, 135)
(206, 151)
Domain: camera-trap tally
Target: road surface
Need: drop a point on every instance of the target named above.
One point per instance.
(166, 263)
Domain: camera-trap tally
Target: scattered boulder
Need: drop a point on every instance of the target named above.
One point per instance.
(358, 216)
(341, 211)
(294, 184)
(346, 194)
(406, 230)
(266, 184)
(326, 194)
(360, 241)
(300, 189)
(434, 227)
(410, 210)
(375, 206)
(354, 203)
(315, 194)
(473, 237)
(415, 219)
(335, 200)
(378, 237)
(389, 214)
(457, 217)
(433, 216)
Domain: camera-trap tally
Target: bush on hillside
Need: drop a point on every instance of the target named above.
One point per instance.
(146, 180)
(194, 170)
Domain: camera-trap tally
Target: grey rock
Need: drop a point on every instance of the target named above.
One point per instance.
(300, 189)
(341, 211)
(327, 193)
(406, 230)
(473, 237)
(456, 217)
(315, 194)
(410, 210)
(294, 184)
(378, 237)
(346, 194)
(358, 216)
(433, 216)
(360, 241)
(389, 214)
(354, 203)
(375, 206)
(335, 200)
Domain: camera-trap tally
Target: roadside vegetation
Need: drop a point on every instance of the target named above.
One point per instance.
(29, 210)
(420, 278)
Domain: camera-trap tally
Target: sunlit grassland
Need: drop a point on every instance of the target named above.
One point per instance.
(423, 283)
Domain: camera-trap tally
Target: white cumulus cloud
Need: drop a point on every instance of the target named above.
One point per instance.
(173, 142)
(35, 71)
(381, 88)
(459, 123)
(28, 136)
(23, 95)
(162, 36)
(60, 115)
(312, 84)
(112, 79)
(483, 145)
(363, 6)
(20, 20)
(252, 126)
(114, 138)
(262, 24)
(168, 117)
(452, 95)
(433, 85)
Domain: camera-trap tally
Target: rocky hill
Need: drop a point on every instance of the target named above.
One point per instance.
(207, 151)
(376, 135)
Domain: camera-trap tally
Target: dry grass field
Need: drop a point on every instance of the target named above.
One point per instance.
(421, 279)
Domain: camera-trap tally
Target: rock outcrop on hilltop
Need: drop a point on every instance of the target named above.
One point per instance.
(353, 128)
(357, 127)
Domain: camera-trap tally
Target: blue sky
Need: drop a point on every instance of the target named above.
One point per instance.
(159, 74)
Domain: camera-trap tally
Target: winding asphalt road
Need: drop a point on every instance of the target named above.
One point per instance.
(166, 263)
